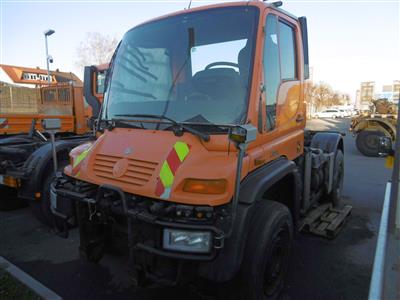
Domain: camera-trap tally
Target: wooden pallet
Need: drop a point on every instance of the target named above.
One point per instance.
(325, 220)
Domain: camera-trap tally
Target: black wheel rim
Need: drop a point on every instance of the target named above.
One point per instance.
(276, 262)
(372, 141)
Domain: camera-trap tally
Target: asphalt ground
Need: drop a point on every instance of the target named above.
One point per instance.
(319, 269)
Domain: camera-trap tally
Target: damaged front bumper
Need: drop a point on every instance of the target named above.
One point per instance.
(163, 234)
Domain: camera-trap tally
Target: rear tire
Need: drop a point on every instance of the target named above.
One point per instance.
(367, 142)
(267, 253)
(42, 208)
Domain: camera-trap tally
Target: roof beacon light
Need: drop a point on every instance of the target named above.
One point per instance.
(277, 3)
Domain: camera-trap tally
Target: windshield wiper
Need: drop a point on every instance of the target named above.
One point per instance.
(216, 125)
(111, 124)
(180, 126)
(200, 121)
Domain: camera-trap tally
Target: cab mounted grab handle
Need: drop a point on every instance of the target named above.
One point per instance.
(299, 118)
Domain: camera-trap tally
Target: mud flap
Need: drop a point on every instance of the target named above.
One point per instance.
(325, 220)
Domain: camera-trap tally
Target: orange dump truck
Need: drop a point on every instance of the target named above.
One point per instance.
(202, 168)
(25, 150)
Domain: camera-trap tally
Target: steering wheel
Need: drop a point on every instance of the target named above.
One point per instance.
(221, 63)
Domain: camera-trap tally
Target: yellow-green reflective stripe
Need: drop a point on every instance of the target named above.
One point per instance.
(166, 176)
(181, 149)
(80, 157)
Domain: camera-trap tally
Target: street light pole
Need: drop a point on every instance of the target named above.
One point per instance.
(46, 34)
(47, 60)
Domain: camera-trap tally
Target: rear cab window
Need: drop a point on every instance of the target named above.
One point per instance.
(287, 51)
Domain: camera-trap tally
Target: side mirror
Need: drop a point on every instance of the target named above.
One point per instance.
(385, 146)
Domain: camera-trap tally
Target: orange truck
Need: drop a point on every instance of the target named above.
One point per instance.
(25, 149)
(202, 168)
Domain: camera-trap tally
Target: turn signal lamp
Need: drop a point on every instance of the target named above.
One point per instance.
(204, 186)
(11, 181)
(238, 135)
(243, 134)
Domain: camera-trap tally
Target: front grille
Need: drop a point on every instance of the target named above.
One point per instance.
(138, 173)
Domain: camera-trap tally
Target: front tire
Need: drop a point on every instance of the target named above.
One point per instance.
(267, 253)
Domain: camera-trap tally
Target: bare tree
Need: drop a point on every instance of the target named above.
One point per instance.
(309, 97)
(95, 49)
(323, 93)
(309, 92)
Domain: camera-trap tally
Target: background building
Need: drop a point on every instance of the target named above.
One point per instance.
(367, 92)
(32, 77)
(357, 103)
(389, 91)
(396, 90)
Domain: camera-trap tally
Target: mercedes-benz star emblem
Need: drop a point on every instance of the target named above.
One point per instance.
(128, 150)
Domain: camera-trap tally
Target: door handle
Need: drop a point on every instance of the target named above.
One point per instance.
(299, 118)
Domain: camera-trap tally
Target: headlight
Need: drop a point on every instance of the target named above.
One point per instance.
(187, 241)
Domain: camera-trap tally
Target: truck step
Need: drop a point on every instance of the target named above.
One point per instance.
(325, 220)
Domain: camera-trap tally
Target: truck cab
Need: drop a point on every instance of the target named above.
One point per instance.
(202, 164)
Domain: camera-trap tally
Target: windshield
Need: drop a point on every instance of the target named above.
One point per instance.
(190, 68)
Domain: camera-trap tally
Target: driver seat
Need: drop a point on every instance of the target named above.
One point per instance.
(218, 83)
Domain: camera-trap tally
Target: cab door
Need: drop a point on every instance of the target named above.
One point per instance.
(284, 118)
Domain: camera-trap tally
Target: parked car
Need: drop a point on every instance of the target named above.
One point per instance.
(345, 113)
(354, 112)
(329, 113)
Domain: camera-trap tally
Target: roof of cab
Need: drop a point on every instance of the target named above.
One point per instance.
(258, 3)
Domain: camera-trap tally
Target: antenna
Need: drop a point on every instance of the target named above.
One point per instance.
(190, 3)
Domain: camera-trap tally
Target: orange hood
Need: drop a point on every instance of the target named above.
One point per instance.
(155, 164)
